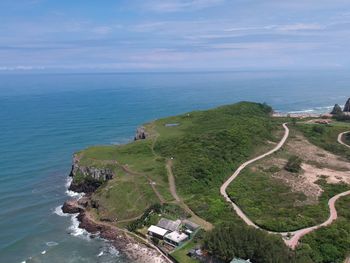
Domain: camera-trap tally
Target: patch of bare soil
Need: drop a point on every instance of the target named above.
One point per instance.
(317, 164)
(301, 147)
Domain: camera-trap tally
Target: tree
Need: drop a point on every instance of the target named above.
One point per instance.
(294, 164)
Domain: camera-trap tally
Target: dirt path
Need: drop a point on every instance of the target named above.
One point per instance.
(290, 238)
(172, 186)
(223, 188)
(340, 138)
(152, 183)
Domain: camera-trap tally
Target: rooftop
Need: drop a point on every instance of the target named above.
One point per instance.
(157, 230)
(169, 224)
(176, 236)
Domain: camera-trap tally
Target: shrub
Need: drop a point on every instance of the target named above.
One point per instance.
(293, 165)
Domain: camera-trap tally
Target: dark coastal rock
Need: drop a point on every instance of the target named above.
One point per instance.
(71, 207)
(347, 106)
(102, 174)
(87, 186)
(140, 134)
(92, 176)
(336, 109)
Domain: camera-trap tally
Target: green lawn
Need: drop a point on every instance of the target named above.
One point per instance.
(181, 254)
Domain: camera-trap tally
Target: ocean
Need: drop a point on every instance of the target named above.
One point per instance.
(45, 118)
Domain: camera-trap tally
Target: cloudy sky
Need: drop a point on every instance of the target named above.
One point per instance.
(174, 35)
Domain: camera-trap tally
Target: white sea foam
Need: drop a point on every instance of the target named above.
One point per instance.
(75, 230)
(316, 110)
(72, 193)
(58, 211)
(51, 243)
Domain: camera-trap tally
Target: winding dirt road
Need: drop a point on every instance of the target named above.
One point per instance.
(291, 239)
(340, 138)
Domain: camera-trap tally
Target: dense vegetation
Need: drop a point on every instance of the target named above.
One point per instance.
(332, 243)
(208, 146)
(205, 147)
(229, 240)
(294, 164)
(270, 203)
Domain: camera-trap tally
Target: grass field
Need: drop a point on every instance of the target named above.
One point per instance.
(206, 146)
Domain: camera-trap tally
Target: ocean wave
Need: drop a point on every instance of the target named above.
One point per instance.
(58, 211)
(75, 230)
(108, 251)
(72, 193)
(315, 110)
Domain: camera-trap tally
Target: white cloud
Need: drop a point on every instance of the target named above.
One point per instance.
(300, 26)
(181, 5)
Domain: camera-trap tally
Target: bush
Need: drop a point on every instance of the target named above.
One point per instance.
(293, 165)
(318, 129)
(230, 240)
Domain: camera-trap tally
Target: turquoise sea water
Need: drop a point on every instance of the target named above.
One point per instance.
(45, 118)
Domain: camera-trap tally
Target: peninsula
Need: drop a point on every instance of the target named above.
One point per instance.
(209, 184)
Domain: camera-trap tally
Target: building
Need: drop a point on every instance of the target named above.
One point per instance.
(190, 225)
(175, 238)
(157, 232)
(169, 224)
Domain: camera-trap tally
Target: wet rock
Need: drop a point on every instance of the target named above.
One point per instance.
(71, 207)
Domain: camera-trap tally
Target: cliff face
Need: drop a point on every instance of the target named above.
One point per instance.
(347, 106)
(140, 133)
(88, 178)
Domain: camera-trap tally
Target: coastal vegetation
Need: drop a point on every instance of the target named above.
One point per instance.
(229, 240)
(282, 192)
(332, 243)
(205, 147)
(325, 136)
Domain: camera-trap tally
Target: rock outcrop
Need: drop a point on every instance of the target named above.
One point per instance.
(336, 110)
(90, 177)
(347, 106)
(140, 133)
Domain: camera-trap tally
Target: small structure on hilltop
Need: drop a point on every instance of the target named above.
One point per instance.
(347, 106)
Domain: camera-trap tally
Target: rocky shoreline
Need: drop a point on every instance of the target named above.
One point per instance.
(134, 250)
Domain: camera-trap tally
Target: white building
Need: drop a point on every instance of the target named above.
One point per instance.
(157, 232)
(175, 238)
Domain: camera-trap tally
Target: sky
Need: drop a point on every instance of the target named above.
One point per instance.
(173, 35)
